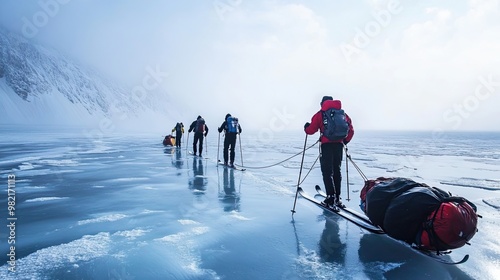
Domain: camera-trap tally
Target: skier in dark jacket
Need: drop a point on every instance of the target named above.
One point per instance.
(200, 130)
(232, 128)
(179, 130)
(331, 150)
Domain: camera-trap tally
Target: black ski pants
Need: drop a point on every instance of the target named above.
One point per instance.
(198, 136)
(178, 138)
(331, 161)
(229, 146)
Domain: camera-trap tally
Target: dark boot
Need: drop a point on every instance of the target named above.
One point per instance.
(338, 202)
(329, 201)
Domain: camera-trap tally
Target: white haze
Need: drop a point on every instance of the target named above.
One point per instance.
(396, 65)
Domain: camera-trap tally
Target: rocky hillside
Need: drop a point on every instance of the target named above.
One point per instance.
(40, 84)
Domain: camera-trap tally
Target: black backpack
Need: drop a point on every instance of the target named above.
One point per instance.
(336, 126)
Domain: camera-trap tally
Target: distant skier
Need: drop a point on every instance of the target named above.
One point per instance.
(179, 130)
(200, 130)
(336, 130)
(232, 128)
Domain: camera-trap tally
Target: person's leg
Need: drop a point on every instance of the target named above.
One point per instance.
(195, 141)
(201, 143)
(226, 147)
(338, 151)
(326, 161)
(232, 144)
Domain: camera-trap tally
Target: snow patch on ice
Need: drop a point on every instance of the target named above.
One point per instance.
(238, 216)
(129, 179)
(39, 172)
(185, 248)
(26, 166)
(22, 180)
(177, 237)
(20, 160)
(41, 199)
(173, 237)
(35, 187)
(489, 258)
(106, 218)
(385, 267)
(188, 222)
(194, 266)
(310, 266)
(132, 234)
(61, 162)
(36, 264)
(147, 211)
(200, 230)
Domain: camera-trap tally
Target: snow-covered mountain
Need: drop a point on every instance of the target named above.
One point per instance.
(40, 86)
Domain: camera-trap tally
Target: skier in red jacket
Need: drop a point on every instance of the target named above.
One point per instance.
(331, 150)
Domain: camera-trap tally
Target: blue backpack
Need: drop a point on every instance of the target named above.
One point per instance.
(335, 123)
(232, 125)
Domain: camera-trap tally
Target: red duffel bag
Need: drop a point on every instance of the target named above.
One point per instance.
(450, 226)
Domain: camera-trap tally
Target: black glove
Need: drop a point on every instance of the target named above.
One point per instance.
(306, 125)
(219, 129)
(206, 134)
(345, 142)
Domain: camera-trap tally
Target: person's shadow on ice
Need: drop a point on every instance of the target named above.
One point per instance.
(229, 197)
(331, 248)
(198, 182)
(178, 162)
(404, 263)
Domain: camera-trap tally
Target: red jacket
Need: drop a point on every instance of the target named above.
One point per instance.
(317, 122)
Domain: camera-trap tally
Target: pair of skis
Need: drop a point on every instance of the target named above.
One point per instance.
(219, 163)
(232, 167)
(365, 223)
(345, 213)
(195, 155)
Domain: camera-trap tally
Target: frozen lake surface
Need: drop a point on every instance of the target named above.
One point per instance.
(125, 207)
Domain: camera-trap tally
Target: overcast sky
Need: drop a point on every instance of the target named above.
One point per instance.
(412, 65)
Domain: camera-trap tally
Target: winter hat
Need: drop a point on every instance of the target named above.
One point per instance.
(199, 117)
(325, 98)
(227, 116)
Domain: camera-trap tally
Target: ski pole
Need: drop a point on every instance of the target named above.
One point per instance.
(347, 171)
(218, 147)
(357, 167)
(300, 173)
(241, 152)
